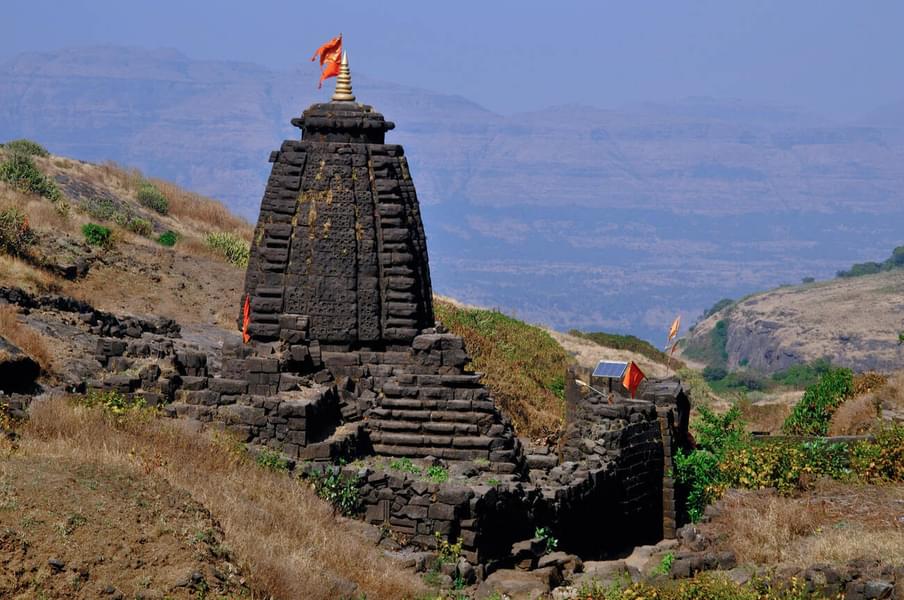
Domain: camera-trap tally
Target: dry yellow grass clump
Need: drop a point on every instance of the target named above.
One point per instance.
(25, 338)
(285, 539)
(834, 523)
(861, 413)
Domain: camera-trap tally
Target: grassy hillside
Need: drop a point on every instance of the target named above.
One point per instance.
(115, 238)
(629, 342)
(524, 366)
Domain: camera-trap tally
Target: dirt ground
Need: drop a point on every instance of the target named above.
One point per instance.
(72, 529)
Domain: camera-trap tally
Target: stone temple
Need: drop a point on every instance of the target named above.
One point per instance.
(344, 364)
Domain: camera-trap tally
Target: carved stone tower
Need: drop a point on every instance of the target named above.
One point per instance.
(339, 239)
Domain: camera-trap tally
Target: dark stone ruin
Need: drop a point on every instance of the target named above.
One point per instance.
(345, 363)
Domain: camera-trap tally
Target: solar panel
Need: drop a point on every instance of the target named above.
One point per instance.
(608, 368)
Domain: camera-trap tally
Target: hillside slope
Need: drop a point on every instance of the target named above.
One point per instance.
(854, 322)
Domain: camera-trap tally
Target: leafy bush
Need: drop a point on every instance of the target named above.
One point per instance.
(340, 491)
(112, 402)
(812, 413)
(405, 465)
(96, 235)
(15, 233)
(803, 375)
(272, 460)
(168, 238)
(140, 226)
(148, 195)
(895, 261)
(714, 373)
(437, 474)
(883, 459)
(26, 147)
(231, 246)
(20, 171)
(101, 209)
(550, 543)
(447, 552)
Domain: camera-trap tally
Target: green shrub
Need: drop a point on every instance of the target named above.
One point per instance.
(807, 280)
(272, 460)
(880, 460)
(101, 209)
(20, 171)
(15, 233)
(112, 402)
(437, 474)
(231, 246)
(96, 235)
(405, 465)
(714, 373)
(340, 491)
(26, 147)
(140, 226)
(803, 375)
(168, 238)
(549, 542)
(812, 413)
(860, 269)
(148, 195)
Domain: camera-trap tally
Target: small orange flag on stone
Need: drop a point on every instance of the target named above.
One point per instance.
(246, 319)
(330, 55)
(633, 377)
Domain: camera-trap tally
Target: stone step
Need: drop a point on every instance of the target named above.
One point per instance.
(431, 415)
(425, 427)
(437, 440)
(423, 452)
(483, 406)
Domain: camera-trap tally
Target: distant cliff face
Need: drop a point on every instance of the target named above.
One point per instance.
(571, 216)
(854, 322)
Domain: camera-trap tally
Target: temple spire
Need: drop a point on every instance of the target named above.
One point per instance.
(343, 91)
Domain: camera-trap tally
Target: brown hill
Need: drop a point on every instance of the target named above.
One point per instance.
(853, 322)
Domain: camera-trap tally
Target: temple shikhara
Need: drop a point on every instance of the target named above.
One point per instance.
(341, 362)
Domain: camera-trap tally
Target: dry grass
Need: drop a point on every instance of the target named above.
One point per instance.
(189, 206)
(765, 417)
(861, 414)
(15, 272)
(286, 539)
(25, 338)
(834, 523)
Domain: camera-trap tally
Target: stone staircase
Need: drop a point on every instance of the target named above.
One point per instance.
(444, 416)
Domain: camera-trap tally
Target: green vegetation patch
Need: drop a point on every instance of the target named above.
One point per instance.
(812, 413)
(151, 197)
(804, 374)
(710, 349)
(233, 248)
(895, 261)
(20, 171)
(342, 491)
(168, 238)
(272, 461)
(15, 233)
(26, 147)
(627, 342)
(97, 235)
(523, 365)
(140, 226)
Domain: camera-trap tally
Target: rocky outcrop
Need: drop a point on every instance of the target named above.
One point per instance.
(18, 371)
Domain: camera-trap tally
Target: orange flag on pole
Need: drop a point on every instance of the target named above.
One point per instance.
(673, 330)
(633, 377)
(330, 55)
(246, 319)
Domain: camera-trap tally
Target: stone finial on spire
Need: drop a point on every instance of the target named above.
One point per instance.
(343, 91)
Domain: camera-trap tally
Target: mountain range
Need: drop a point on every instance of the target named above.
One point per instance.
(574, 216)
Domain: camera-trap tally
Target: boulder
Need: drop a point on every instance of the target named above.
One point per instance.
(514, 583)
(18, 371)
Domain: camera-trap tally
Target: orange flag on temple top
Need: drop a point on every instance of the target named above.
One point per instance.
(330, 54)
(246, 319)
(633, 377)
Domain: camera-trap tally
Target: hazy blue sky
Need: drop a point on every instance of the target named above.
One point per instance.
(838, 58)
